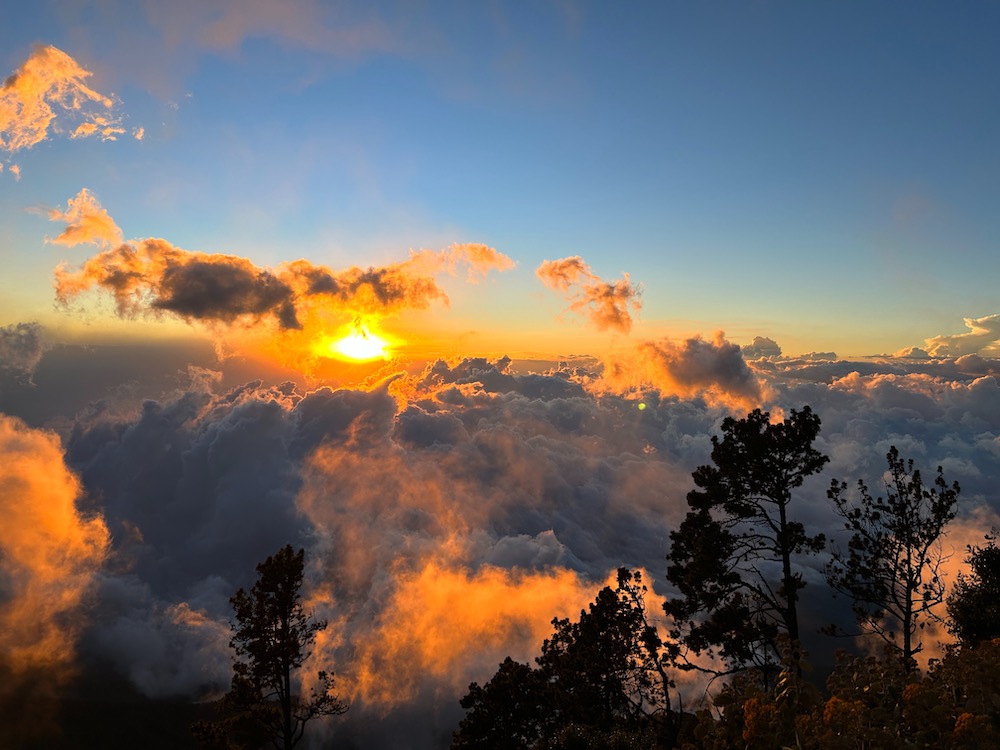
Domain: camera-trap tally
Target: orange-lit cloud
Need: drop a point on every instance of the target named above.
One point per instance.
(448, 625)
(959, 535)
(50, 551)
(154, 276)
(308, 305)
(86, 222)
(712, 369)
(47, 94)
(606, 303)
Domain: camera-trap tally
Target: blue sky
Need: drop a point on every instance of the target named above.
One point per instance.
(821, 174)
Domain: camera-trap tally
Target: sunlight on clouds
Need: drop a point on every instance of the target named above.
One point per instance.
(47, 89)
(299, 302)
(86, 222)
(606, 303)
(356, 342)
(50, 551)
(983, 337)
(711, 369)
(450, 624)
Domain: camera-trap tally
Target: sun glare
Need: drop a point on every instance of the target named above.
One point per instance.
(357, 345)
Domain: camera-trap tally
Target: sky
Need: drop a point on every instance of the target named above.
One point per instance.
(454, 296)
(819, 175)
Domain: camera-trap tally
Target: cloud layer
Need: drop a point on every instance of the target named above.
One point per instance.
(449, 514)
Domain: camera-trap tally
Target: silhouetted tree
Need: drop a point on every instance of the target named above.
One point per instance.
(738, 530)
(507, 713)
(272, 638)
(608, 665)
(891, 567)
(974, 602)
(602, 675)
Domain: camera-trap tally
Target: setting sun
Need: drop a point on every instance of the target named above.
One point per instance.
(358, 345)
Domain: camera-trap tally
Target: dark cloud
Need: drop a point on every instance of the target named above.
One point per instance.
(21, 350)
(224, 289)
(762, 348)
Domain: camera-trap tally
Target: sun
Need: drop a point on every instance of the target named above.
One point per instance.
(357, 344)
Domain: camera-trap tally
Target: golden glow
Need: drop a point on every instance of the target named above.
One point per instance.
(357, 344)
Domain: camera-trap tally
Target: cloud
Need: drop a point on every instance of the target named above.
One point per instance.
(762, 348)
(223, 25)
(389, 289)
(86, 222)
(448, 514)
(151, 276)
(606, 303)
(445, 626)
(983, 337)
(48, 93)
(154, 276)
(912, 352)
(692, 368)
(21, 349)
(50, 551)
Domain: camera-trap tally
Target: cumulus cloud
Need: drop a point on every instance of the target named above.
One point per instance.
(714, 370)
(983, 337)
(608, 304)
(153, 276)
(48, 93)
(50, 551)
(444, 626)
(21, 349)
(86, 222)
(448, 514)
(762, 348)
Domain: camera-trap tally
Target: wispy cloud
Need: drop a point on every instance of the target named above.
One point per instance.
(608, 304)
(48, 94)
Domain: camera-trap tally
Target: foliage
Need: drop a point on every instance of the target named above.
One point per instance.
(877, 703)
(864, 705)
(272, 638)
(602, 675)
(749, 714)
(891, 567)
(974, 602)
(871, 703)
(737, 529)
(580, 737)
